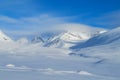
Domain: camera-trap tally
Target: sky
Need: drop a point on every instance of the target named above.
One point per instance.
(30, 16)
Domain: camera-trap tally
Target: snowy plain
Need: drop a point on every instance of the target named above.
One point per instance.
(35, 63)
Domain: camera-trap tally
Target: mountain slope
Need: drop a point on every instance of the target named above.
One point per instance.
(105, 38)
(66, 39)
(104, 47)
(4, 37)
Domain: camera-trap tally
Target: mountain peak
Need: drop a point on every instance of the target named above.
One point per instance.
(4, 37)
(38, 39)
(74, 36)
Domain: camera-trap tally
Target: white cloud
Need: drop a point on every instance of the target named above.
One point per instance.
(44, 22)
(30, 25)
(7, 19)
(73, 27)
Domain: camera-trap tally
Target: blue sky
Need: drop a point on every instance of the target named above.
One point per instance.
(16, 15)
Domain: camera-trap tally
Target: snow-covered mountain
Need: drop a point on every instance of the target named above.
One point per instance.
(37, 39)
(105, 46)
(74, 36)
(109, 37)
(64, 39)
(68, 37)
(4, 37)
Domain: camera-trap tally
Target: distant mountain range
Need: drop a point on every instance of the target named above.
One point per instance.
(66, 38)
(59, 38)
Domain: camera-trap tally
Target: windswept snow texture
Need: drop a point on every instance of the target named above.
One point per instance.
(103, 39)
(22, 60)
(33, 63)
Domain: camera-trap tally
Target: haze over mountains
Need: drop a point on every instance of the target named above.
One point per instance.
(63, 38)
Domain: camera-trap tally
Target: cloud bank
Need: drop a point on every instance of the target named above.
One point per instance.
(34, 25)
